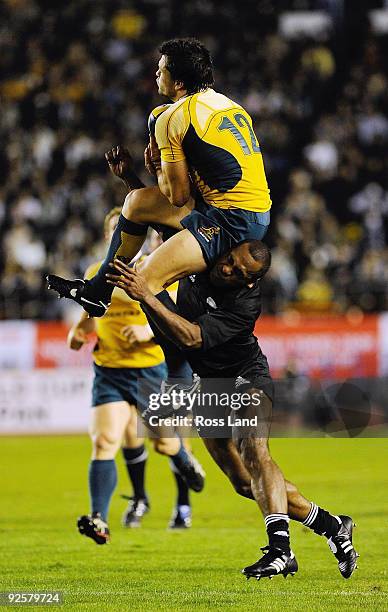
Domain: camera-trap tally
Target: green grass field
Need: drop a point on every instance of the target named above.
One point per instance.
(44, 489)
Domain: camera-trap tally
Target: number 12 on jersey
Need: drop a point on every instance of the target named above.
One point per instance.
(242, 121)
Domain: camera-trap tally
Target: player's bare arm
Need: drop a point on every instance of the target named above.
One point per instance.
(174, 182)
(186, 334)
(149, 164)
(79, 333)
(173, 178)
(137, 334)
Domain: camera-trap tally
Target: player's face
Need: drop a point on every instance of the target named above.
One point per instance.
(235, 269)
(164, 81)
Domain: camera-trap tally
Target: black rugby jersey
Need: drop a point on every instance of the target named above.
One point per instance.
(227, 320)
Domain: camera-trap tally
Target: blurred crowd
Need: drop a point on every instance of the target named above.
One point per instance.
(79, 77)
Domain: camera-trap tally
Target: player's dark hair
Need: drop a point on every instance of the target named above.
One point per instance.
(190, 62)
(260, 252)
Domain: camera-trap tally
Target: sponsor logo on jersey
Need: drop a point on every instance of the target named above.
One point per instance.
(211, 302)
(208, 232)
(240, 380)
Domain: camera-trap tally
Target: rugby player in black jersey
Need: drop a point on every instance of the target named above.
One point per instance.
(213, 322)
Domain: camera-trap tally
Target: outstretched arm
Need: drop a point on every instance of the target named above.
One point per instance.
(184, 333)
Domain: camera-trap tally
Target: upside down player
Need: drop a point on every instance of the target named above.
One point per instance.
(204, 142)
(213, 321)
(125, 351)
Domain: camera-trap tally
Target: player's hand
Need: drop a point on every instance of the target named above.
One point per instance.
(154, 149)
(136, 334)
(128, 334)
(152, 158)
(148, 162)
(120, 161)
(129, 280)
(76, 338)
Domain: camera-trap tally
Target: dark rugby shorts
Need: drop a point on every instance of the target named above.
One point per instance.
(253, 378)
(219, 230)
(213, 420)
(121, 384)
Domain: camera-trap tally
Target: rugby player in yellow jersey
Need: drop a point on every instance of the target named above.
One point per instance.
(212, 188)
(125, 352)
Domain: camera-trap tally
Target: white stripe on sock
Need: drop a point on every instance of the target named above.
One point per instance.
(271, 518)
(138, 459)
(277, 514)
(312, 515)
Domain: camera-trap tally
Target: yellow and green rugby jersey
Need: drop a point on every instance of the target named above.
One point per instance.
(112, 349)
(216, 137)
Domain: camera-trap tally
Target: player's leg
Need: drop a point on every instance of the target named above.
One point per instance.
(176, 258)
(182, 512)
(164, 437)
(141, 207)
(181, 518)
(107, 428)
(267, 483)
(338, 529)
(209, 233)
(225, 454)
(167, 442)
(135, 456)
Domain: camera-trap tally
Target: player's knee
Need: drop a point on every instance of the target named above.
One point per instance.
(133, 206)
(149, 274)
(141, 266)
(161, 446)
(243, 488)
(104, 443)
(290, 488)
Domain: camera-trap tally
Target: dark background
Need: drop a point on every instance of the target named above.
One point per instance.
(77, 77)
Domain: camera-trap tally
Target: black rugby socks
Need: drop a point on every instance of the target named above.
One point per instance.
(135, 460)
(278, 531)
(322, 522)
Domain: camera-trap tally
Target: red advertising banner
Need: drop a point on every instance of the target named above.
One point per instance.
(330, 347)
(51, 350)
(322, 347)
